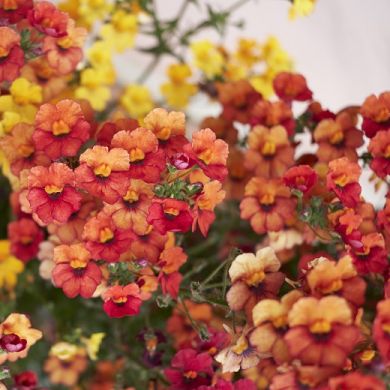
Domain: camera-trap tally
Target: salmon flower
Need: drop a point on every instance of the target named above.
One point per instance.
(131, 211)
(270, 320)
(18, 325)
(291, 86)
(60, 129)
(381, 329)
(74, 271)
(25, 237)
(52, 194)
(189, 370)
(48, 19)
(301, 178)
(103, 172)
(146, 160)
(355, 381)
(121, 301)
(328, 277)
(11, 54)
(343, 179)
(104, 240)
(338, 138)
(269, 151)
(321, 331)
(253, 276)
(267, 205)
(169, 215)
(15, 10)
(209, 153)
(20, 150)
(371, 255)
(376, 114)
(379, 147)
(64, 53)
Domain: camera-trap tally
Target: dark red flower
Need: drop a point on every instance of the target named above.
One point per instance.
(14, 10)
(301, 178)
(120, 301)
(12, 343)
(11, 54)
(189, 370)
(291, 86)
(169, 215)
(26, 380)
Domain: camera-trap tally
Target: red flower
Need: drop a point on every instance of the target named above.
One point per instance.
(381, 329)
(301, 178)
(146, 160)
(14, 10)
(291, 86)
(170, 283)
(48, 19)
(379, 147)
(109, 129)
(242, 384)
(51, 193)
(60, 129)
(104, 240)
(376, 114)
(355, 381)
(25, 237)
(11, 342)
(120, 301)
(104, 173)
(11, 54)
(189, 370)
(26, 380)
(74, 272)
(170, 215)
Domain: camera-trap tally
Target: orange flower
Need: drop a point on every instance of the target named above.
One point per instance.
(20, 151)
(146, 160)
(19, 325)
(376, 114)
(209, 153)
(379, 147)
(381, 329)
(343, 179)
(132, 209)
(270, 320)
(270, 152)
(120, 301)
(222, 128)
(60, 129)
(338, 138)
(109, 129)
(267, 205)
(104, 173)
(74, 272)
(321, 331)
(11, 54)
(291, 86)
(254, 276)
(329, 277)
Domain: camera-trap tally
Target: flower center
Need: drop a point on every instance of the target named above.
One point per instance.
(341, 180)
(267, 199)
(3, 52)
(382, 115)
(105, 235)
(26, 240)
(241, 346)
(171, 211)
(120, 300)
(386, 328)
(26, 150)
(136, 154)
(255, 278)
(10, 5)
(131, 196)
(268, 149)
(65, 42)
(337, 138)
(78, 263)
(164, 133)
(190, 374)
(102, 170)
(320, 326)
(332, 287)
(280, 322)
(206, 156)
(60, 128)
(52, 189)
(387, 151)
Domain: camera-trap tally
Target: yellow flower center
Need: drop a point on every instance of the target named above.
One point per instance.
(268, 149)
(65, 42)
(206, 156)
(280, 322)
(387, 151)
(120, 300)
(25, 240)
(386, 328)
(382, 115)
(52, 189)
(60, 128)
(320, 326)
(136, 154)
(102, 170)
(332, 287)
(171, 211)
(3, 52)
(337, 137)
(367, 355)
(190, 374)
(342, 180)
(163, 133)
(105, 235)
(267, 199)
(26, 150)
(131, 196)
(10, 5)
(255, 278)
(241, 346)
(78, 263)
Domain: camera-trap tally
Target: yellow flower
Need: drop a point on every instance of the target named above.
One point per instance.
(64, 350)
(93, 344)
(248, 52)
(263, 84)
(234, 71)
(10, 266)
(137, 100)
(207, 58)
(90, 11)
(99, 54)
(301, 8)
(276, 58)
(24, 92)
(120, 32)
